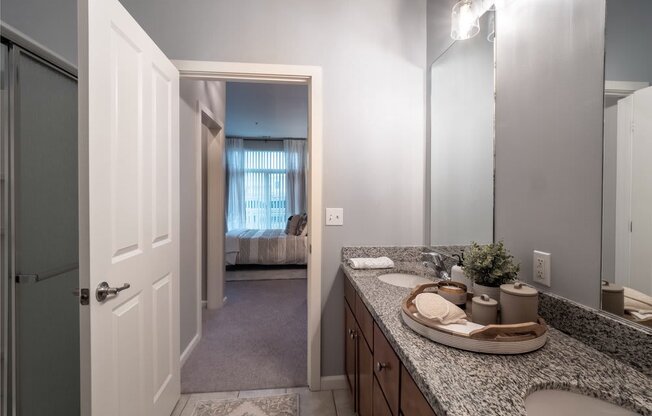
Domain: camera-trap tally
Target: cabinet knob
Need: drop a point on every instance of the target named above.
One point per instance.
(380, 366)
(352, 333)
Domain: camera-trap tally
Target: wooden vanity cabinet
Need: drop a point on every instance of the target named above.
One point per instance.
(378, 382)
(358, 357)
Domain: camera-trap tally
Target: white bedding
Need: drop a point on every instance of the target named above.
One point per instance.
(267, 247)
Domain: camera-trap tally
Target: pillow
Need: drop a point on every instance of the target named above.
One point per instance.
(302, 229)
(292, 224)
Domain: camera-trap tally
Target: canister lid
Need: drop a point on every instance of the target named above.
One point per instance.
(611, 287)
(518, 289)
(485, 300)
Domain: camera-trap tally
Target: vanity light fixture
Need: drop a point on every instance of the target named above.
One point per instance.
(465, 18)
(465, 22)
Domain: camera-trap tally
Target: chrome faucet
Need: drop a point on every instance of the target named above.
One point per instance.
(434, 261)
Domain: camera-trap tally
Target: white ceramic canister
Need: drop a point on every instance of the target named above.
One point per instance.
(518, 303)
(484, 310)
(613, 298)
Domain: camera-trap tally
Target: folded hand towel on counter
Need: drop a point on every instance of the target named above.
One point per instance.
(435, 307)
(371, 263)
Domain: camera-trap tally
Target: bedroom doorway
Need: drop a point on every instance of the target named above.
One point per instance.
(284, 255)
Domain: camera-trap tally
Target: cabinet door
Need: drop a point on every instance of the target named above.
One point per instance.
(365, 321)
(386, 369)
(380, 407)
(412, 401)
(350, 350)
(365, 378)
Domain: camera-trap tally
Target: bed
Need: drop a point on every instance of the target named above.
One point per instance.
(265, 247)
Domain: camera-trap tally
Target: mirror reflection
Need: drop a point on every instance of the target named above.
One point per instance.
(627, 175)
(461, 137)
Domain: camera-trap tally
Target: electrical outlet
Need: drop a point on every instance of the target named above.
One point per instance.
(334, 216)
(541, 268)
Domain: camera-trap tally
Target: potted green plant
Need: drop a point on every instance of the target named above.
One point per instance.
(489, 266)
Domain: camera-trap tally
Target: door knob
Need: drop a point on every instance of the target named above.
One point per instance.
(104, 290)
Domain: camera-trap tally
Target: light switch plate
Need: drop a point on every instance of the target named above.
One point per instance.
(541, 268)
(334, 216)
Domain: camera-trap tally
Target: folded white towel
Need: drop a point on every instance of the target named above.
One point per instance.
(371, 263)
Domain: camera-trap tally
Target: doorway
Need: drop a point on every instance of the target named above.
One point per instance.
(258, 338)
(311, 77)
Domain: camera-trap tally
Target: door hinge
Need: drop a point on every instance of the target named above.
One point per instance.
(631, 226)
(84, 295)
(310, 249)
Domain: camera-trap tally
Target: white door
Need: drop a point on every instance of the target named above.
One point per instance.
(129, 146)
(623, 190)
(641, 204)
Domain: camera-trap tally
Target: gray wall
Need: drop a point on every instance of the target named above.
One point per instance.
(52, 23)
(275, 110)
(628, 54)
(549, 139)
(212, 94)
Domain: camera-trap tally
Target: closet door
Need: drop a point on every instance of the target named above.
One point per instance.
(45, 235)
(4, 228)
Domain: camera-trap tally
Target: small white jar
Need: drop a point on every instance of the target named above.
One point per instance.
(484, 310)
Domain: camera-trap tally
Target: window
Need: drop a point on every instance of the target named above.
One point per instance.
(265, 189)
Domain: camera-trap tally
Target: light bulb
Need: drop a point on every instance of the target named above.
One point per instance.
(465, 22)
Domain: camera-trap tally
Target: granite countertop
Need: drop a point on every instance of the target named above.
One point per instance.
(457, 382)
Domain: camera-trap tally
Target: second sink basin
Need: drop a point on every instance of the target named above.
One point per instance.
(403, 280)
(567, 403)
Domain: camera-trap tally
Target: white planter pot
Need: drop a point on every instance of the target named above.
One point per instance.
(492, 292)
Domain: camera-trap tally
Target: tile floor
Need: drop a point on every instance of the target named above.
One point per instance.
(317, 403)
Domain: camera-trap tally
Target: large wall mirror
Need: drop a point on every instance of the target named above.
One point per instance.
(462, 139)
(627, 176)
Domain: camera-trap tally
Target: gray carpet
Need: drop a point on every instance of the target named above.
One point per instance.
(258, 340)
(266, 274)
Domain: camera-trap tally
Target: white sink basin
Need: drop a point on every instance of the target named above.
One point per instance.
(403, 280)
(567, 403)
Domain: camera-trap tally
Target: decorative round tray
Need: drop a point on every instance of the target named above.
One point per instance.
(489, 339)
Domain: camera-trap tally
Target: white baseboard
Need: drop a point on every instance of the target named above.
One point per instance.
(334, 382)
(189, 349)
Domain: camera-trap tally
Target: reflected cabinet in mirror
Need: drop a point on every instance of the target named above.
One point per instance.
(627, 175)
(462, 139)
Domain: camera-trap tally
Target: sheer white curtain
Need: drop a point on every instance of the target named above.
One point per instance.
(264, 184)
(235, 171)
(295, 178)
